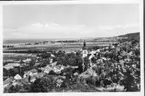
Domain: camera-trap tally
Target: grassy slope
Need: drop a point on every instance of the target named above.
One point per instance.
(135, 36)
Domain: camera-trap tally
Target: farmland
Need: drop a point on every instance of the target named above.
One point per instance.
(66, 46)
(94, 65)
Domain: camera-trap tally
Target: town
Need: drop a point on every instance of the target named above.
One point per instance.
(106, 68)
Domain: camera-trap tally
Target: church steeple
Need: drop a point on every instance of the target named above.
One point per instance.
(84, 45)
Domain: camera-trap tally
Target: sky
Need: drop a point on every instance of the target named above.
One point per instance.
(69, 20)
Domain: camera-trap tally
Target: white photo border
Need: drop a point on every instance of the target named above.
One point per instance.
(140, 2)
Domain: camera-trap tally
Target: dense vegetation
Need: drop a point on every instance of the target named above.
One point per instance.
(112, 68)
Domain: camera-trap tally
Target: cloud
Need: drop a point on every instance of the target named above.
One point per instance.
(131, 25)
(54, 30)
(116, 30)
(118, 26)
(50, 30)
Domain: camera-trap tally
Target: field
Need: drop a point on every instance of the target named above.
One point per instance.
(11, 56)
(28, 51)
(58, 46)
(43, 68)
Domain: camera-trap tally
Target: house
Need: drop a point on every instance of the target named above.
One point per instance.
(30, 73)
(33, 78)
(8, 80)
(11, 65)
(27, 60)
(17, 77)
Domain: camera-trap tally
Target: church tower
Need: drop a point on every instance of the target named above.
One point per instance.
(84, 45)
(84, 55)
(84, 50)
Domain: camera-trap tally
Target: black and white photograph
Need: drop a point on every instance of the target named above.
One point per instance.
(36, 0)
(50, 48)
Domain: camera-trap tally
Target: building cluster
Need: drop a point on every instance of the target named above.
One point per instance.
(112, 68)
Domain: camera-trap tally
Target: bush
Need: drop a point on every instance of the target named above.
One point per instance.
(14, 89)
(44, 84)
(45, 55)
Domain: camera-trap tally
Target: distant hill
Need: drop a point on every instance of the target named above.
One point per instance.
(128, 37)
(131, 36)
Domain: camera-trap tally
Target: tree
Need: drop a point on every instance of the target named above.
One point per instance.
(32, 63)
(14, 89)
(5, 72)
(43, 84)
(14, 71)
(86, 63)
(45, 55)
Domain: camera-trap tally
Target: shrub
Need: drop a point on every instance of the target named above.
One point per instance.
(44, 84)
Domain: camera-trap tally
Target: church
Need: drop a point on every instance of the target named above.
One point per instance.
(84, 50)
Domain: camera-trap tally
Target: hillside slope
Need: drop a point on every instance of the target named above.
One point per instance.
(132, 36)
